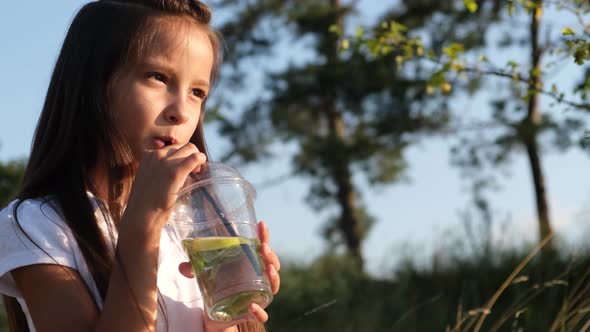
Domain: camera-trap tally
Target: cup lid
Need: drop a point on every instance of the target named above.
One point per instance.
(215, 172)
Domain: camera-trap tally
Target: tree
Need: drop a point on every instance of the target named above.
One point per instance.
(11, 173)
(518, 121)
(348, 113)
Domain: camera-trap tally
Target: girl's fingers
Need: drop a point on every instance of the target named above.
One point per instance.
(274, 279)
(179, 153)
(185, 158)
(263, 234)
(258, 313)
(191, 163)
(270, 258)
(186, 270)
(178, 150)
(173, 150)
(199, 158)
(185, 151)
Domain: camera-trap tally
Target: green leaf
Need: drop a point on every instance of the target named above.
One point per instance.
(359, 32)
(437, 79)
(386, 49)
(345, 44)
(397, 27)
(512, 64)
(536, 72)
(568, 32)
(471, 5)
(335, 28)
(511, 9)
(373, 46)
(399, 61)
(453, 50)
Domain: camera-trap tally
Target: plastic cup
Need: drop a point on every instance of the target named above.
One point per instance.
(215, 221)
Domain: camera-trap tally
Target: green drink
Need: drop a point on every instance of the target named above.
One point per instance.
(215, 220)
(230, 273)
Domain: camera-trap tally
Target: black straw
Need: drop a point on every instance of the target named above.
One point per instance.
(246, 248)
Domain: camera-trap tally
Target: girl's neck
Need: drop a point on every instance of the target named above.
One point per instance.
(104, 182)
(112, 185)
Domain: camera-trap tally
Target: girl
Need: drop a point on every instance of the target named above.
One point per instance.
(85, 246)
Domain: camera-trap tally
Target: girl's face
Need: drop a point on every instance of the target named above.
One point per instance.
(157, 102)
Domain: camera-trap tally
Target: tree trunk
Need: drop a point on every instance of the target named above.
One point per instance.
(531, 125)
(349, 221)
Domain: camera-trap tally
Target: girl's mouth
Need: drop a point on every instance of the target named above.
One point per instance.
(163, 141)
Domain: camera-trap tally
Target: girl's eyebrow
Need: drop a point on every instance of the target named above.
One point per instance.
(155, 62)
(202, 83)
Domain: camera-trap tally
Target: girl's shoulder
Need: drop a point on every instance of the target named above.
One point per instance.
(33, 232)
(36, 213)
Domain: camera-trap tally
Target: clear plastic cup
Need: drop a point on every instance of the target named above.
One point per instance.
(215, 221)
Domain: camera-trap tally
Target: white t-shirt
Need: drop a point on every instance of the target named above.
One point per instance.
(46, 228)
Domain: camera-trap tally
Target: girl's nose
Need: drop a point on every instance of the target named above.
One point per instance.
(177, 111)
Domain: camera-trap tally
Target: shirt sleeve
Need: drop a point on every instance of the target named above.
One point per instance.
(37, 235)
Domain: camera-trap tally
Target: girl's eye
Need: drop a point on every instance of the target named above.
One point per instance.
(199, 93)
(157, 76)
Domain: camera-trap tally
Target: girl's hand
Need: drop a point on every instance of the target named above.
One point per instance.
(273, 266)
(256, 314)
(271, 260)
(160, 176)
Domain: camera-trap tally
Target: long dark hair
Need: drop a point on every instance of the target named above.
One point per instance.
(75, 126)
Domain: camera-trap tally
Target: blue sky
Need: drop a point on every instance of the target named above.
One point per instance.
(417, 217)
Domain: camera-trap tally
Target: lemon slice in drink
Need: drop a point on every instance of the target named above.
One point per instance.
(206, 252)
(216, 242)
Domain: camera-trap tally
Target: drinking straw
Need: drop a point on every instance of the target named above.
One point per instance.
(246, 248)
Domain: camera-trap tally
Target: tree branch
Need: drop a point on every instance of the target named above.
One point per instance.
(522, 79)
(575, 11)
